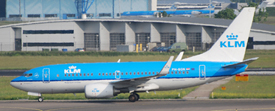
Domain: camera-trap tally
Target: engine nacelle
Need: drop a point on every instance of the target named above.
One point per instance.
(195, 12)
(100, 90)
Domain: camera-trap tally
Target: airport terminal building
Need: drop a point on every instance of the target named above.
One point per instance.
(105, 34)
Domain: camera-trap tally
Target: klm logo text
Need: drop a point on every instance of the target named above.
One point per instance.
(72, 69)
(232, 42)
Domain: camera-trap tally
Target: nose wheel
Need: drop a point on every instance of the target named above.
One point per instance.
(133, 97)
(40, 99)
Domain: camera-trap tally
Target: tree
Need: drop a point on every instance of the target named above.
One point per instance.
(260, 15)
(226, 14)
(164, 14)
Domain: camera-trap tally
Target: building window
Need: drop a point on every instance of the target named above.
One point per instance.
(91, 41)
(47, 44)
(116, 39)
(70, 15)
(143, 38)
(48, 31)
(104, 14)
(216, 36)
(194, 40)
(33, 15)
(50, 15)
(168, 38)
(15, 15)
(90, 15)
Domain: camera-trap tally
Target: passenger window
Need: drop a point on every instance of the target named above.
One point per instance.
(126, 73)
(145, 73)
(28, 75)
(69, 75)
(88, 74)
(134, 73)
(153, 72)
(84, 74)
(106, 74)
(110, 74)
(157, 72)
(72, 74)
(121, 73)
(141, 73)
(99, 74)
(187, 72)
(137, 73)
(172, 72)
(92, 74)
(114, 74)
(175, 72)
(182, 72)
(179, 72)
(149, 72)
(80, 74)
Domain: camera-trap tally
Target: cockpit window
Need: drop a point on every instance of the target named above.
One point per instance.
(27, 75)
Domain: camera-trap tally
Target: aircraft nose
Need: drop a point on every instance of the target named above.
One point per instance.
(13, 84)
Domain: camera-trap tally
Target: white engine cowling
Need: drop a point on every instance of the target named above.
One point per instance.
(195, 12)
(100, 90)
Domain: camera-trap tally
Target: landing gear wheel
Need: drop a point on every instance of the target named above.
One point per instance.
(137, 96)
(40, 99)
(133, 98)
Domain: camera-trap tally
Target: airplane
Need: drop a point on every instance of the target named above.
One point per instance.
(106, 80)
(171, 11)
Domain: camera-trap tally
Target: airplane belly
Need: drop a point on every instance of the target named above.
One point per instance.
(172, 84)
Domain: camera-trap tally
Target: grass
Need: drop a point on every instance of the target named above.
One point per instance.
(266, 60)
(9, 22)
(28, 62)
(7, 92)
(270, 20)
(256, 87)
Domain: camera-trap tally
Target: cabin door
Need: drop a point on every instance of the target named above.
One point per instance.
(117, 74)
(46, 75)
(202, 73)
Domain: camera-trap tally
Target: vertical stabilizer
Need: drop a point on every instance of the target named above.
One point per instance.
(232, 43)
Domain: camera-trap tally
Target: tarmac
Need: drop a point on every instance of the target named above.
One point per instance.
(204, 91)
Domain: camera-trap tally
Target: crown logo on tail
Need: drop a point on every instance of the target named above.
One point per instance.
(232, 37)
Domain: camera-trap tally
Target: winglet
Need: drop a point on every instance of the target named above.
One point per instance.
(167, 66)
(179, 56)
(118, 61)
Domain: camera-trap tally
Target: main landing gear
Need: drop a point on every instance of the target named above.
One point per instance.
(40, 99)
(133, 97)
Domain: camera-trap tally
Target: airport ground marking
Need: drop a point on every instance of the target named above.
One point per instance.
(22, 108)
(260, 109)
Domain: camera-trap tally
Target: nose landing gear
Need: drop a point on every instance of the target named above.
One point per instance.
(40, 99)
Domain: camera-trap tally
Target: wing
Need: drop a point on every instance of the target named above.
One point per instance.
(247, 61)
(134, 83)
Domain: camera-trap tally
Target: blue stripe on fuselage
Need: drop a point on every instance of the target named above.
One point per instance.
(184, 69)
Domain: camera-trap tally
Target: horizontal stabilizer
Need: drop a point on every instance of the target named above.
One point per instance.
(179, 56)
(247, 61)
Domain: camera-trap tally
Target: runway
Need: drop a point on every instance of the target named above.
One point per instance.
(143, 105)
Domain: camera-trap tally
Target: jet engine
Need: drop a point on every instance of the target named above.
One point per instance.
(100, 90)
(195, 12)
